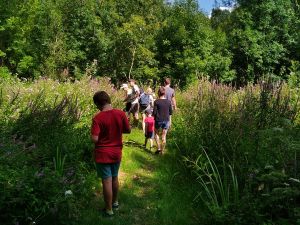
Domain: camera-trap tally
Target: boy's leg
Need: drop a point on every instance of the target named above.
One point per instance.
(146, 140)
(115, 189)
(107, 193)
(115, 183)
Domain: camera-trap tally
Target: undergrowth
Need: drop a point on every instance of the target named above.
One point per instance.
(242, 147)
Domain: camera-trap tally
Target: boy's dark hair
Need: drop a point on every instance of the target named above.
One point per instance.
(101, 98)
(161, 91)
(167, 81)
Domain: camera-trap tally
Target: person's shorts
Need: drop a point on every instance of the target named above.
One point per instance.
(144, 108)
(127, 107)
(162, 124)
(149, 134)
(134, 108)
(106, 170)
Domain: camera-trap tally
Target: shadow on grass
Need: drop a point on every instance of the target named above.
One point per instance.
(133, 143)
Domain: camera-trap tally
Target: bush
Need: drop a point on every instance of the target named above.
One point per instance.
(4, 72)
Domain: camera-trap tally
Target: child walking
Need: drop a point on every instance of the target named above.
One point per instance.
(149, 128)
(108, 125)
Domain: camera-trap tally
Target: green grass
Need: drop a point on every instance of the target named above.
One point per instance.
(151, 190)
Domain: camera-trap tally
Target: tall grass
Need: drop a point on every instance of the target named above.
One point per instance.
(229, 137)
(41, 122)
(220, 190)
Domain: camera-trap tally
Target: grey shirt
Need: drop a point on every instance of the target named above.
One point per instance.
(170, 93)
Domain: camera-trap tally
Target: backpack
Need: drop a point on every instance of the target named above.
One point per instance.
(144, 100)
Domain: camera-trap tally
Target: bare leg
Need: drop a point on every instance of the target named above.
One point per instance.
(107, 192)
(143, 121)
(164, 139)
(151, 143)
(136, 113)
(115, 189)
(157, 138)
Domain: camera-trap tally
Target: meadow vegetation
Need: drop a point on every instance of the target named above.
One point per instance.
(233, 155)
(232, 159)
(242, 147)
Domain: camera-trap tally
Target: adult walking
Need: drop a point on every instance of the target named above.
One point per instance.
(106, 132)
(146, 102)
(162, 112)
(134, 100)
(170, 93)
(127, 99)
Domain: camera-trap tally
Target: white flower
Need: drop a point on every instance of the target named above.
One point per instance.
(68, 192)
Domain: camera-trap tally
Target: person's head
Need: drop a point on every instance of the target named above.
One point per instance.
(167, 81)
(149, 91)
(132, 82)
(101, 99)
(161, 91)
(148, 112)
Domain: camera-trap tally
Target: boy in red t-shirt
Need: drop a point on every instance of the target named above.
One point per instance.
(107, 128)
(149, 128)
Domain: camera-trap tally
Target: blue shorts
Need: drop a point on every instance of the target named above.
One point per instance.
(106, 170)
(162, 124)
(149, 134)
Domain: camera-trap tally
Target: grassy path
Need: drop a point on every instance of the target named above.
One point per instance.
(151, 190)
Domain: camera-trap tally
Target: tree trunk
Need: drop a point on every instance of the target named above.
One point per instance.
(133, 55)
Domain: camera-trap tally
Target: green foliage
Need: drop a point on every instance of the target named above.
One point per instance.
(294, 78)
(4, 72)
(59, 162)
(46, 164)
(242, 143)
(258, 42)
(220, 191)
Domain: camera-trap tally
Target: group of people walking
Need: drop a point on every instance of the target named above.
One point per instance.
(109, 124)
(156, 114)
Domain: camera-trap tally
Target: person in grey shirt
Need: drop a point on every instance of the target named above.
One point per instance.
(170, 93)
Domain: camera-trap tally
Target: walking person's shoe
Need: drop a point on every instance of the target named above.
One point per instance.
(158, 151)
(115, 206)
(107, 213)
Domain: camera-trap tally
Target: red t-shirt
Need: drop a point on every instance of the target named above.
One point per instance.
(150, 123)
(109, 127)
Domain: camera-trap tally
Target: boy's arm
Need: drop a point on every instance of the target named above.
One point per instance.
(174, 102)
(94, 138)
(170, 109)
(170, 113)
(146, 128)
(95, 130)
(126, 126)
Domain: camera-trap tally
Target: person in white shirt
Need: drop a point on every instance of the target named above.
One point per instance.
(133, 97)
